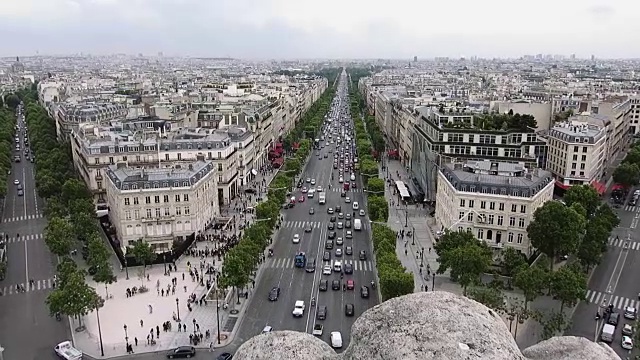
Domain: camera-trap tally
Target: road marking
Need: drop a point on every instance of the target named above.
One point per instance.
(618, 302)
(38, 285)
(611, 286)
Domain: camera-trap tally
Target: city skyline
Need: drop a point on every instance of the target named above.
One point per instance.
(254, 29)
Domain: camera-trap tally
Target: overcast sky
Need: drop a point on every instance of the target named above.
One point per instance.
(261, 29)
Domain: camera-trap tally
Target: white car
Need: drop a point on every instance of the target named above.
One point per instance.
(296, 238)
(347, 200)
(16, 182)
(267, 329)
(361, 212)
(355, 205)
(298, 309)
(341, 179)
(313, 181)
(627, 343)
(353, 177)
(326, 270)
(336, 339)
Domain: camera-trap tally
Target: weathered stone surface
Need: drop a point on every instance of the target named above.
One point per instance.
(428, 325)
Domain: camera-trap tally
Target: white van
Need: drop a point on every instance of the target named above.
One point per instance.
(353, 177)
(357, 224)
(355, 205)
(336, 339)
(337, 266)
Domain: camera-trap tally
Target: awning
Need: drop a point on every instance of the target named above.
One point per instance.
(600, 187)
(254, 172)
(402, 188)
(562, 186)
(617, 187)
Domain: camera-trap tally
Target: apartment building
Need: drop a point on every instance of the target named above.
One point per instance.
(577, 153)
(634, 115)
(161, 205)
(152, 143)
(445, 135)
(69, 116)
(493, 200)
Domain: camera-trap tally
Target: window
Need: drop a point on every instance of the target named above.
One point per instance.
(156, 199)
(512, 221)
(491, 218)
(99, 184)
(501, 206)
(166, 198)
(500, 220)
(514, 207)
(480, 234)
(461, 215)
(135, 201)
(462, 202)
(520, 238)
(126, 201)
(471, 203)
(187, 211)
(492, 205)
(148, 213)
(523, 208)
(177, 198)
(127, 215)
(147, 200)
(186, 197)
(178, 211)
(470, 217)
(510, 237)
(167, 211)
(157, 212)
(483, 204)
(521, 222)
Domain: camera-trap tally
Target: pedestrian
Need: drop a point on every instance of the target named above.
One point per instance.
(141, 323)
(150, 309)
(158, 331)
(136, 340)
(211, 347)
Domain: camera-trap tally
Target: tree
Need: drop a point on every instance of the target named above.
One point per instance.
(12, 101)
(376, 186)
(378, 208)
(532, 280)
(512, 260)
(104, 275)
(606, 213)
(144, 254)
(556, 230)
(73, 189)
(235, 271)
(569, 285)
(489, 296)
(584, 195)
(75, 298)
(59, 236)
(469, 262)
(97, 252)
(627, 174)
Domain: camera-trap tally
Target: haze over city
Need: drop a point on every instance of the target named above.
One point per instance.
(329, 29)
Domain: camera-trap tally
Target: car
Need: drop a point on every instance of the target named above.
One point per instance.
(20, 193)
(313, 181)
(339, 241)
(343, 193)
(326, 155)
(350, 284)
(332, 219)
(340, 216)
(362, 255)
(298, 308)
(307, 228)
(319, 189)
(330, 210)
(331, 226)
(353, 177)
(355, 205)
(182, 352)
(348, 250)
(311, 211)
(335, 165)
(338, 252)
(627, 330)
(322, 313)
(347, 224)
(339, 208)
(364, 292)
(348, 268)
(340, 225)
(336, 339)
(301, 199)
(324, 284)
(331, 235)
(341, 180)
(627, 343)
(630, 312)
(348, 234)
(326, 270)
(304, 189)
(349, 310)
(347, 200)
(361, 212)
(335, 285)
(16, 182)
(613, 319)
(296, 238)
(308, 180)
(20, 187)
(347, 216)
(267, 329)
(274, 293)
(310, 193)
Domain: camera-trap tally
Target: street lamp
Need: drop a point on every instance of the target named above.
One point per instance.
(164, 259)
(217, 313)
(413, 236)
(178, 310)
(126, 268)
(126, 336)
(99, 304)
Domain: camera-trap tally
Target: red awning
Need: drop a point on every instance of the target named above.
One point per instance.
(600, 187)
(617, 187)
(277, 162)
(562, 186)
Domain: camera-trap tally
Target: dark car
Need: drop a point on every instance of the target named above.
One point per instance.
(322, 313)
(613, 319)
(326, 256)
(331, 226)
(182, 352)
(347, 224)
(349, 310)
(364, 292)
(328, 244)
(324, 285)
(332, 235)
(363, 255)
(348, 268)
(348, 250)
(311, 266)
(274, 293)
(225, 356)
(332, 219)
(338, 208)
(335, 284)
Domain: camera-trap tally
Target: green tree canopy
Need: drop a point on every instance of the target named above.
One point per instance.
(627, 174)
(532, 280)
(468, 262)
(59, 236)
(144, 254)
(584, 195)
(376, 186)
(569, 285)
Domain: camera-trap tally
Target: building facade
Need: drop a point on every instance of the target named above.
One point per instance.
(159, 206)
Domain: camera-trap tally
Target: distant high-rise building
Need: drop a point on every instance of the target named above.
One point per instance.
(160, 54)
(415, 59)
(573, 56)
(593, 57)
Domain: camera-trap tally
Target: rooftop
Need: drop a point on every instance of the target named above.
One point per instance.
(126, 178)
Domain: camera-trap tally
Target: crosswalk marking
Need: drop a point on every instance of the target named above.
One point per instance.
(23, 218)
(315, 224)
(288, 263)
(340, 189)
(604, 299)
(37, 286)
(22, 238)
(620, 242)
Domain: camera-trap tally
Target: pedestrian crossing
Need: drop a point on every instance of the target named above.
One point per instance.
(620, 242)
(38, 285)
(23, 238)
(23, 218)
(340, 189)
(315, 224)
(603, 299)
(288, 263)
